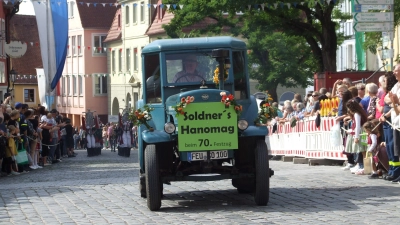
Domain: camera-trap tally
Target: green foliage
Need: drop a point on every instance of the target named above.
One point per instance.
(288, 45)
(280, 59)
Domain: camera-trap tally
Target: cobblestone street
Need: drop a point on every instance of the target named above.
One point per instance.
(104, 190)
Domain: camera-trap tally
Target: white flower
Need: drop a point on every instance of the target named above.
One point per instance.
(227, 99)
(222, 93)
(146, 116)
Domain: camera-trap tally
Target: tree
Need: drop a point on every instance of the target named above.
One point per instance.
(312, 20)
(288, 44)
(273, 62)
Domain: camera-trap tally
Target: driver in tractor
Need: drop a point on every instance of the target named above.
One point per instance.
(189, 72)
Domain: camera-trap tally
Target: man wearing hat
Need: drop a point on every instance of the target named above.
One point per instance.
(189, 72)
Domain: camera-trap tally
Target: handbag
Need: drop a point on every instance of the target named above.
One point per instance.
(22, 157)
(368, 163)
(336, 137)
(318, 121)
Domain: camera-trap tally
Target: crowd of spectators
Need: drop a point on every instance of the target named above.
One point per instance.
(45, 137)
(372, 109)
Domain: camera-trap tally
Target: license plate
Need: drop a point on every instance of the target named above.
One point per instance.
(201, 156)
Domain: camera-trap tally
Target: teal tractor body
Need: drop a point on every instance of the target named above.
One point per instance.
(202, 126)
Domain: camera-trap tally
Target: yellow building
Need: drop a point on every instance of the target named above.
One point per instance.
(26, 90)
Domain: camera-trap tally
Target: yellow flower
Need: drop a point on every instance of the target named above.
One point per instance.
(216, 73)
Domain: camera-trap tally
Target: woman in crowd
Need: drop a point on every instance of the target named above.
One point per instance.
(372, 92)
(394, 171)
(69, 138)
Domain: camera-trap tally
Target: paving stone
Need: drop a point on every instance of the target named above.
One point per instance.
(104, 190)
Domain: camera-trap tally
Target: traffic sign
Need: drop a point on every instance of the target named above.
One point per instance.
(388, 36)
(371, 27)
(374, 17)
(387, 53)
(375, 2)
(365, 8)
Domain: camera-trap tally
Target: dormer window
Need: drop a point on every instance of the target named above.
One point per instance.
(119, 21)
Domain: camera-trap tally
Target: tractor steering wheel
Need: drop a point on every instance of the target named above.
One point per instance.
(186, 76)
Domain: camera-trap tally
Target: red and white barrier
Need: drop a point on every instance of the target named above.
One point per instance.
(306, 140)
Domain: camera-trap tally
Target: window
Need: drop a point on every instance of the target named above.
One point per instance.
(79, 44)
(68, 86)
(71, 9)
(142, 11)
(100, 84)
(29, 95)
(113, 61)
(80, 85)
(74, 84)
(239, 74)
(153, 81)
(134, 14)
(128, 59)
(98, 44)
(69, 46)
(2, 72)
(2, 41)
(73, 46)
(119, 21)
(63, 86)
(135, 59)
(120, 60)
(127, 15)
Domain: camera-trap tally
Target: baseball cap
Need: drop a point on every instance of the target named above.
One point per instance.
(18, 105)
(53, 111)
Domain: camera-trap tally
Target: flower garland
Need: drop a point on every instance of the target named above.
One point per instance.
(141, 116)
(229, 100)
(216, 75)
(179, 108)
(267, 111)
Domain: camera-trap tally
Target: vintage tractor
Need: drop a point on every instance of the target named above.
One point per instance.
(202, 124)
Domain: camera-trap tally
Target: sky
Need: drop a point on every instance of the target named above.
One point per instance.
(26, 8)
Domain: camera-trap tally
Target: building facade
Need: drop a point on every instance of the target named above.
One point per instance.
(126, 38)
(84, 84)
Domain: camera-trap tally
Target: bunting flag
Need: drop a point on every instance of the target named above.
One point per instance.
(282, 5)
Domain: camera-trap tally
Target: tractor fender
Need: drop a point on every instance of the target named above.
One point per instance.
(255, 131)
(156, 136)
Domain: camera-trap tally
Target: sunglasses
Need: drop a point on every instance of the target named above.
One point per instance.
(315, 95)
(362, 89)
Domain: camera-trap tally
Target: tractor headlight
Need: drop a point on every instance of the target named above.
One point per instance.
(243, 124)
(169, 128)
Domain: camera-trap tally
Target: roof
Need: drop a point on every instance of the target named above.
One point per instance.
(99, 16)
(193, 44)
(156, 25)
(115, 31)
(24, 28)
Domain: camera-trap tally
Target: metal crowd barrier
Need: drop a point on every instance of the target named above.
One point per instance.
(305, 140)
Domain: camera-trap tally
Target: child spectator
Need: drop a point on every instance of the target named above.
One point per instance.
(11, 150)
(359, 117)
(371, 127)
(38, 148)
